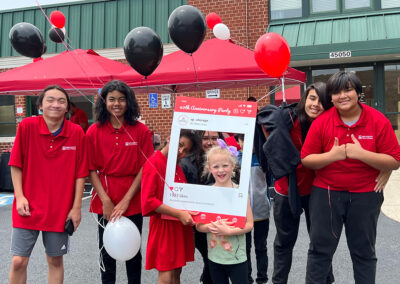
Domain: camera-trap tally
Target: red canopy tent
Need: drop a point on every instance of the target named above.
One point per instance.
(82, 70)
(292, 95)
(218, 64)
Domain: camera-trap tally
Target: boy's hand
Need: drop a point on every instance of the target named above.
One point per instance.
(23, 206)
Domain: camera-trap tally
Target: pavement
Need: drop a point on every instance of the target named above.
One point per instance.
(81, 264)
(391, 205)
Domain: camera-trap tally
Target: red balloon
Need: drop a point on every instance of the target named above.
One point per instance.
(58, 19)
(272, 54)
(212, 19)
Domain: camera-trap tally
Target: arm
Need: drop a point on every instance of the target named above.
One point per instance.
(381, 180)
(123, 205)
(223, 228)
(202, 227)
(108, 205)
(22, 202)
(184, 216)
(379, 161)
(75, 212)
(319, 161)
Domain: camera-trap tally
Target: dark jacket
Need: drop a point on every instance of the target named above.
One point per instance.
(278, 153)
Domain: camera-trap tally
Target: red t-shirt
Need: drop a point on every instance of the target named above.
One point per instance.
(304, 175)
(170, 244)
(374, 132)
(118, 155)
(50, 166)
(80, 117)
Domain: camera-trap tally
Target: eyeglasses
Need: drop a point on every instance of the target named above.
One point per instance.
(212, 139)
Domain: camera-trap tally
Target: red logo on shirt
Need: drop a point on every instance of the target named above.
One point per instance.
(66, 148)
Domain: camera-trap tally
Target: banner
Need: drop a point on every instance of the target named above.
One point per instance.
(211, 202)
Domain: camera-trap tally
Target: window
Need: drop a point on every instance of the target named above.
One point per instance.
(390, 4)
(392, 94)
(319, 6)
(366, 76)
(392, 88)
(355, 4)
(285, 9)
(7, 116)
(322, 75)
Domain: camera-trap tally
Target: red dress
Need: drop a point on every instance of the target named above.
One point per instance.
(170, 244)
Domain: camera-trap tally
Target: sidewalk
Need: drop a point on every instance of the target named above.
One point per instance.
(391, 205)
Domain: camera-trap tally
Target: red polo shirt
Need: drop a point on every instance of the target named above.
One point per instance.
(118, 155)
(50, 166)
(374, 132)
(79, 117)
(304, 175)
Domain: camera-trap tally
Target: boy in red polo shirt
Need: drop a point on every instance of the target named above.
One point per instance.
(349, 147)
(48, 168)
(118, 146)
(79, 117)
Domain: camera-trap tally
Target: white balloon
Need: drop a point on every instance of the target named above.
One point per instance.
(221, 31)
(64, 30)
(121, 239)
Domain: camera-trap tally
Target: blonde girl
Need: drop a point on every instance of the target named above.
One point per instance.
(226, 243)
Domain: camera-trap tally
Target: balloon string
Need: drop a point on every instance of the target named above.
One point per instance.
(270, 93)
(44, 13)
(37, 2)
(79, 91)
(195, 73)
(240, 43)
(122, 126)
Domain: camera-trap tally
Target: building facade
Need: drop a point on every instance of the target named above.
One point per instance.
(362, 36)
(102, 25)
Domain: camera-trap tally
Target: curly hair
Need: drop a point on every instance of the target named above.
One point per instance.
(194, 138)
(217, 150)
(132, 113)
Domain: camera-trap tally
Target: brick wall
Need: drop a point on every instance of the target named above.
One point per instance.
(233, 14)
(19, 102)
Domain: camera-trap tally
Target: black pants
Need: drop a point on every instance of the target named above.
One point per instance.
(358, 212)
(133, 266)
(260, 229)
(200, 242)
(221, 273)
(287, 229)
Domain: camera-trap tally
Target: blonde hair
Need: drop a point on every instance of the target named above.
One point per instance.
(217, 150)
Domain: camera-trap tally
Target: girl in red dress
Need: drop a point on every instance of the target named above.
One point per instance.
(170, 243)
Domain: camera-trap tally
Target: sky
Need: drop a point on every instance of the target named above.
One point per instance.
(14, 4)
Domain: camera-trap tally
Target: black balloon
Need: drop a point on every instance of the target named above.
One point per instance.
(143, 50)
(56, 35)
(27, 40)
(187, 28)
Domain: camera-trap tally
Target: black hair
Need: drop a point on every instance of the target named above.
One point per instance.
(201, 133)
(239, 136)
(132, 107)
(343, 80)
(304, 119)
(194, 138)
(53, 87)
(251, 99)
